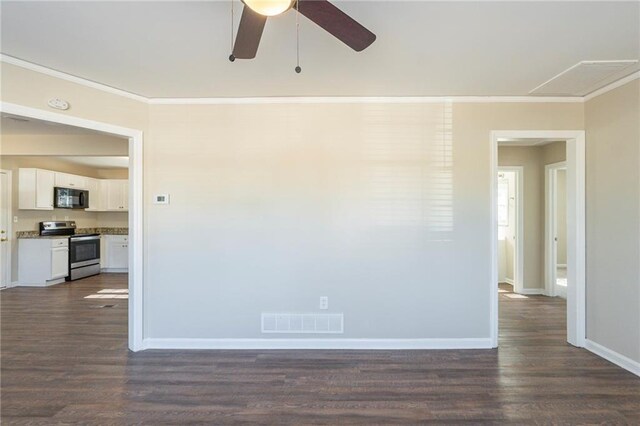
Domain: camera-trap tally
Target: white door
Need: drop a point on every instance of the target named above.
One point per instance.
(5, 247)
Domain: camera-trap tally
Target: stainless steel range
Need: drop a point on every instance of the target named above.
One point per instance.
(84, 249)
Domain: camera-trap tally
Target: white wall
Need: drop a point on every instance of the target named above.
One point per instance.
(308, 200)
(613, 220)
(50, 144)
(273, 206)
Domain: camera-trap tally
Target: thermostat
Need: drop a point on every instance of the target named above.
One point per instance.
(161, 199)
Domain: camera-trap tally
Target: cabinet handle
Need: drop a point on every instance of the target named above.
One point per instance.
(2, 240)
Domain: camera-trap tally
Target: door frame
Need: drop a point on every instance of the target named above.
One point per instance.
(551, 225)
(136, 205)
(576, 230)
(7, 269)
(518, 258)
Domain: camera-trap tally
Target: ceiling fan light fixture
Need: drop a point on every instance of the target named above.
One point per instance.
(269, 7)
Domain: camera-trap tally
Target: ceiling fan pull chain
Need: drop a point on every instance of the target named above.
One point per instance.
(231, 57)
(298, 69)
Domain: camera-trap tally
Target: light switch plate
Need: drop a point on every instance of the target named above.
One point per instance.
(161, 199)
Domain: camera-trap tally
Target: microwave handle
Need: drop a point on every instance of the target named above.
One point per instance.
(81, 198)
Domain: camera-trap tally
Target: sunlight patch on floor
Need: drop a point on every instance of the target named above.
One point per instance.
(516, 296)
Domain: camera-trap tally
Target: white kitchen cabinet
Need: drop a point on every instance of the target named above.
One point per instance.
(94, 186)
(66, 180)
(115, 257)
(42, 261)
(117, 194)
(35, 189)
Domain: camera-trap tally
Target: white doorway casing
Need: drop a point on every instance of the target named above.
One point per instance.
(518, 260)
(136, 204)
(576, 250)
(6, 239)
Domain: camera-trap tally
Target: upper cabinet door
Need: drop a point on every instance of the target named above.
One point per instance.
(35, 189)
(117, 194)
(66, 180)
(93, 186)
(44, 189)
(125, 194)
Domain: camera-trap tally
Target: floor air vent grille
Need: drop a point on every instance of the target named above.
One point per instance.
(294, 323)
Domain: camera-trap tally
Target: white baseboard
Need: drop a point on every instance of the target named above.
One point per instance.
(365, 344)
(114, 270)
(508, 281)
(613, 356)
(532, 291)
(46, 284)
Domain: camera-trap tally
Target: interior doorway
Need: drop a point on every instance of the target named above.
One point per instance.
(134, 201)
(556, 229)
(576, 253)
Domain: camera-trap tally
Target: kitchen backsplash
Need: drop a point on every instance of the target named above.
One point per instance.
(99, 230)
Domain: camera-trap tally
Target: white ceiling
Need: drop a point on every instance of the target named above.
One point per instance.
(180, 49)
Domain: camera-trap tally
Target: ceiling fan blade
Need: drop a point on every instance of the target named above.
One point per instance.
(337, 23)
(249, 34)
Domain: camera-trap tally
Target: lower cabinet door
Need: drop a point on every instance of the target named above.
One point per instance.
(118, 255)
(59, 262)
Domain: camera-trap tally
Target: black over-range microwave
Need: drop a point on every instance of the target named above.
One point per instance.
(68, 198)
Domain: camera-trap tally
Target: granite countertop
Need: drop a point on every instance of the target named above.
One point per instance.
(100, 230)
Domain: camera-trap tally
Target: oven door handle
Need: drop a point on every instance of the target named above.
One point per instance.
(74, 239)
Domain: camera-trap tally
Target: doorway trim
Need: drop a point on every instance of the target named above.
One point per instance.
(551, 225)
(7, 269)
(518, 267)
(576, 230)
(136, 205)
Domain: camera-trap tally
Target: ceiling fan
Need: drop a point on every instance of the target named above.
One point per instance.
(322, 12)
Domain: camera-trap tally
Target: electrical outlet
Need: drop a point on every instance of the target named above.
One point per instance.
(15, 219)
(324, 302)
(66, 218)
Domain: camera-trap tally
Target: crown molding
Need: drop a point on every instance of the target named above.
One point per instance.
(612, 86)
(71, 78)
(363, 100)
(286, 100)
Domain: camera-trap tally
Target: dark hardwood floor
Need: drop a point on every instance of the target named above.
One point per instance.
(65, 361)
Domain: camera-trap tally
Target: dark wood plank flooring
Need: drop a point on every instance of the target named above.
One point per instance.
(64, 361)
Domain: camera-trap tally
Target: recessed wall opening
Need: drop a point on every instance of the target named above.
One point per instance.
(538, 219)
(74, 186)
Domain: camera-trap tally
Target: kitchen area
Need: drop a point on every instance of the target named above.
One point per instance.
(66, 217)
